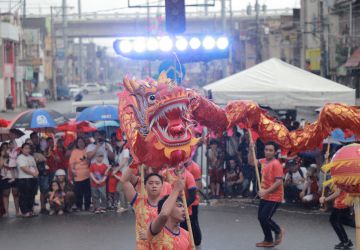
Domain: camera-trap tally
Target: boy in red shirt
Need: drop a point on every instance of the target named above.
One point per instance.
(113, 194)
(271, 194)
(338, 216)
(164, 231)
(98, 174)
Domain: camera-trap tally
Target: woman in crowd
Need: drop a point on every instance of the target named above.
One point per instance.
(80, 174)
(122, 156)
(9, 175)
(27, 180)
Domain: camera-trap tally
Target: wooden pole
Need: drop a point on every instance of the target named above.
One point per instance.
(142, 195)
(252, 148)
(323, 206)
(188, 222)
(357, 221)
(187, 216)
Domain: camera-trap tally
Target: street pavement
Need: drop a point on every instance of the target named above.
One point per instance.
(63, 106)
(226, 226)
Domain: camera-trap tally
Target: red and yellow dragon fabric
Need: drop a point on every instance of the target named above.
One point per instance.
(157, 116)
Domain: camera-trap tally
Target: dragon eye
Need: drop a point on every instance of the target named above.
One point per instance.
(151, 98)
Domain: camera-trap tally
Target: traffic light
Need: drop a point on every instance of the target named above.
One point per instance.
(175, 16)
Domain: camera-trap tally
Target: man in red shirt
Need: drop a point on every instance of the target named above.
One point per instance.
(271, 194)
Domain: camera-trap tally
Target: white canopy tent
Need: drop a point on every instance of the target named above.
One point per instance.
(280, 85)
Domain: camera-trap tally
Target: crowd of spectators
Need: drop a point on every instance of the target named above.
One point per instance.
(84, 176)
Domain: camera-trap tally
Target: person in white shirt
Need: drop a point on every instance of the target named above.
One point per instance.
(294, 180)
(27, 180)
(100, 146)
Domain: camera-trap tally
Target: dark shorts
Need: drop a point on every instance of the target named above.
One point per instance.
(44, 184)
(5, 184)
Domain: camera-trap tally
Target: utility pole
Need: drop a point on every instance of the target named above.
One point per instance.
(350, 28)
(80, 47)
(223, 19)
(257, 43)
(53, 55)
(148, 32)
(65, 40)
(322, 40)
(24, 9)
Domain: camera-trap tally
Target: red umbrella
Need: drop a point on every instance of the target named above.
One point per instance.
(4, 123)
(74, 126)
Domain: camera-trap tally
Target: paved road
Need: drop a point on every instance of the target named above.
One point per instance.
(229, 227)
(63, 106)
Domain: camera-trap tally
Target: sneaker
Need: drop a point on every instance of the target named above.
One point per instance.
(339, 246)
(97, 211)
(102, 210)
(265, 244)
(52, 212)
(279, 237)
(347, 245)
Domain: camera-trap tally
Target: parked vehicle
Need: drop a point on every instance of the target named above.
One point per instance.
(63, 92)
(74, 90)
(94, 88)
(36, 100)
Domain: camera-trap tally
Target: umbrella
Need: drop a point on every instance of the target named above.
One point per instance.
(339, 137)
(74, 126)
(103, 124)
(38, 120)
(7, 134)
(4, 123)
(99, 113)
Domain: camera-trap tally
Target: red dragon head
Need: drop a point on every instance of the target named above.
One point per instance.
(155, 118)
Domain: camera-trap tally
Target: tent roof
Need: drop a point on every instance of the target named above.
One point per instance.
(276, 83)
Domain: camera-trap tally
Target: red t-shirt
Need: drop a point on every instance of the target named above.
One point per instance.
(50, 161)
(166, 189)
(63, 161)
(99, 171)
(195, 170)
(270, 172)
(113, 182)
(339, 201)
(189, 181)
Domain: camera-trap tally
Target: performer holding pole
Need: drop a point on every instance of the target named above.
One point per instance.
(164, 231)
(144, 205)
(188, 197)
(338, 216)
(271, 193)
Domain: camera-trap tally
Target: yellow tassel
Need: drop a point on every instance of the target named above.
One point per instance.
(326, 168)
(328, 182)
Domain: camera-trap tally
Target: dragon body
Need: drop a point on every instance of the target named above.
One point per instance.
(157, 116)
